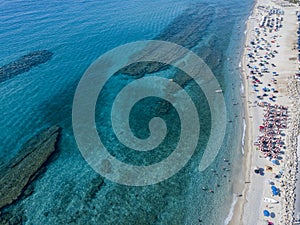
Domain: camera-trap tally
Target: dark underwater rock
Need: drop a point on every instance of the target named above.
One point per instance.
(24, 64)
(139, 69)
(186, 30)
(22, 169)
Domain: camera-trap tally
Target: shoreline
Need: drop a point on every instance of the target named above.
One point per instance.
(239, 206)
(253, 117)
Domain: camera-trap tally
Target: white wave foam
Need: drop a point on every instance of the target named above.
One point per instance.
(231, 211)
(242, 88)
(244, 135)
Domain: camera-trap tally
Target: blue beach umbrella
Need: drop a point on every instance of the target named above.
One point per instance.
(266, 213)
(273, 188)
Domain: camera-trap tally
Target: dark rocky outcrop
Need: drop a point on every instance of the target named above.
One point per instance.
(24, 64)
(22, 169)
(186, 30)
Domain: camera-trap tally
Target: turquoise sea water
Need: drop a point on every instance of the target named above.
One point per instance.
(78, 32)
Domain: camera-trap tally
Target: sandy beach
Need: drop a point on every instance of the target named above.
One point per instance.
(269, 64)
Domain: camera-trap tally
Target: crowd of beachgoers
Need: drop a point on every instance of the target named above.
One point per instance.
(270, 142)
(262, 75)
(261, 50)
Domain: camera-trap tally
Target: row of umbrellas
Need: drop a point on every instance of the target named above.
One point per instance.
(267, 214)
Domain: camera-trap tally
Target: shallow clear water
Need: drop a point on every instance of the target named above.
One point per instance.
(78, 32)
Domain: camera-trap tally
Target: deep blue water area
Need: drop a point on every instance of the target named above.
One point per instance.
(77, 32)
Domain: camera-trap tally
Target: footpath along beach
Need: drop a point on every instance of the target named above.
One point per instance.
(269, 68)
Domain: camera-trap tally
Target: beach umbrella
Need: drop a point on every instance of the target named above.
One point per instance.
(275, 192)
(266, 213)
(273, 188)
